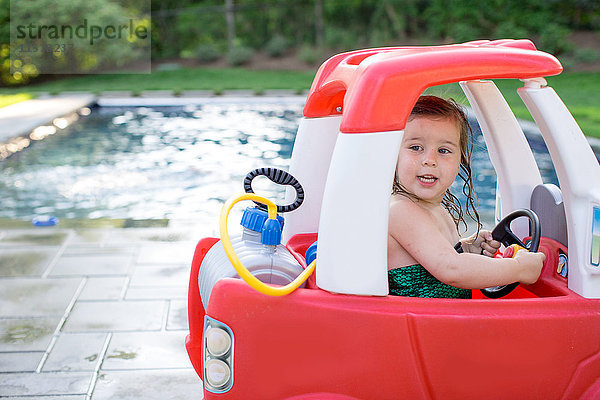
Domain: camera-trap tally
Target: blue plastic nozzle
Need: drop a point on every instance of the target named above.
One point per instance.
(311, 253)
(271, 232)
(254, 219)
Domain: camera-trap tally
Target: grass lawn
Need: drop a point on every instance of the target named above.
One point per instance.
(579, 91)
(8, 99)
(216, 79)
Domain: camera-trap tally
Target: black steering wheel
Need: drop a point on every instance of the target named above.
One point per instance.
(505, 235)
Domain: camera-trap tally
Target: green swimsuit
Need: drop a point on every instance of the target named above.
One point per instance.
(416, 281)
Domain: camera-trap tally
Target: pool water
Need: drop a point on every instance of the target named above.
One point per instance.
(174, 163)
(142, 163)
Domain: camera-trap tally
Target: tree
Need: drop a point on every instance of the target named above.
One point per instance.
(76, 36)
(230, 17)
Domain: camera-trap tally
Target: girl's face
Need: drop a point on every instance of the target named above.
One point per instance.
(429, 158)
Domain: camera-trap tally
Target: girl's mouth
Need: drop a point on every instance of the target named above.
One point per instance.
(427, 179)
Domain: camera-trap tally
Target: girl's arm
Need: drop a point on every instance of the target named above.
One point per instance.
(415, 229)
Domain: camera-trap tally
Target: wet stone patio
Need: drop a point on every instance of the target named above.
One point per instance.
(95, 313)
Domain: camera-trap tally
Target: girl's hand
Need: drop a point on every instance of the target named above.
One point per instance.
(531, 265)
(483, 244)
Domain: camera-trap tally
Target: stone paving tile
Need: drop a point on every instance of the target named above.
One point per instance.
(75, 352)
(143, 361)
(197, 93)
(51, 383)
(88, 236)
(101, 288)
(43, 237)
(167, 253)
(150, 235)
(32, 297)
(37, 237)
(172, 384)
(20, 362)
(199, 230)
(156, 93)
(34, 238)
(106, 316)
(26, 261)
(92, 264)
(161, 275)
(98, 249)
(115, 93)
(27, 334)
(238, 93)
(154, 293)
(147, 350)
(178, 315)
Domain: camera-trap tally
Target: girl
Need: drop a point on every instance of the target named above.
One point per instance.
(424, 215)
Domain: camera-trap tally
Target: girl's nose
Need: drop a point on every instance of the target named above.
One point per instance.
(430, 159)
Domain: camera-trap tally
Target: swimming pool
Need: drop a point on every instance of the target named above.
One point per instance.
(176, 163)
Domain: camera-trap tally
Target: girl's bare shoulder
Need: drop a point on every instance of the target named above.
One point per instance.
(407, 209)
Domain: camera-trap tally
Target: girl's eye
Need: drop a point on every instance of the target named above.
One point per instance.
(415, 147)
(444, 151)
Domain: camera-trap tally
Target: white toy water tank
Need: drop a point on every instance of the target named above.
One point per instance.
(260, 252)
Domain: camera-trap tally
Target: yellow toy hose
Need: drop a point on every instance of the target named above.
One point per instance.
(242, 271)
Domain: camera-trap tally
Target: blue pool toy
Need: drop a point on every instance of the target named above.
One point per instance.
(44, 220)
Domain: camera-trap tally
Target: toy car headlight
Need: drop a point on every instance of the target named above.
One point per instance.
(218, 341)
(218, 356)
(217, 373)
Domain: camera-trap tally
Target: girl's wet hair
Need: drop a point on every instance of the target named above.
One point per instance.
(437, 108)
